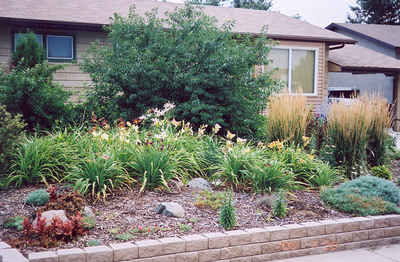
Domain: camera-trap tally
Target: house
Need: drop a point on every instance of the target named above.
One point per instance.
(66, 28)
(371, 65)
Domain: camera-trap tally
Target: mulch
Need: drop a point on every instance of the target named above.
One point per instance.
(123, 213)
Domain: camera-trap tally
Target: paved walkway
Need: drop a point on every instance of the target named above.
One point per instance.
(380, 254)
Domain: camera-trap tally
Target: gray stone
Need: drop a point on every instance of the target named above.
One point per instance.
(199, 184)
(266, 201)
(170, 209)
(49, 215)
(88, 212)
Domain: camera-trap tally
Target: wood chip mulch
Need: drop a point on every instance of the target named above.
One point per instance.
(122, 214)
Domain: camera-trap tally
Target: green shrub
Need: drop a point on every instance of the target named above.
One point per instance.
(325, 176)
(38, 197)
(11, 131)
(366, 195)
(227, 217)
(99, 176)
(28, 52)
(279, 206)
(382, 172)
(205, 70)
(29, 89)
(267, 178)
(41, 159)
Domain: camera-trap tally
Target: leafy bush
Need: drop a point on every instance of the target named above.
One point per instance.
(366, 195)
(14, 222)
(382, 172)
(227, 217)
(37, 198)
(279, 207)
(28, 52)
(71, 202)
(11, 131)
(205, 70)
(41, 159)
(99, 176)
(325, 176)
(268, 178)
(29, 90)
(288, 118)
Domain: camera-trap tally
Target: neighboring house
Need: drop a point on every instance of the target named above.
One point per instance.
(66, 28)
(371, 66)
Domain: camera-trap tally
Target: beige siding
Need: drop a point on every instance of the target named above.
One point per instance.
(5, 45)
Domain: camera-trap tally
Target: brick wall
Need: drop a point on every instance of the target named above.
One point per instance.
(254, 245)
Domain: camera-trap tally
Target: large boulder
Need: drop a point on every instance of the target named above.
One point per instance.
(199, 184)
(49, 215)
(170, 209)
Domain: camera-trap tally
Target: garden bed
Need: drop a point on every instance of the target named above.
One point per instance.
(127, 213)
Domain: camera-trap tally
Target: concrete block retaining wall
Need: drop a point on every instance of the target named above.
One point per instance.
(250, 245)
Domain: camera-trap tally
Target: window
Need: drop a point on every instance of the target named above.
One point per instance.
(297, 67)
(60, 47)
(57, 47)
(17, 36)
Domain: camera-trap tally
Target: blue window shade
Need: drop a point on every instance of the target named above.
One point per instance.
(17, 36)
(60, 47)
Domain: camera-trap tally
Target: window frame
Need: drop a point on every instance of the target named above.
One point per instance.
(290, 51)
(44, 35)
(59, 58)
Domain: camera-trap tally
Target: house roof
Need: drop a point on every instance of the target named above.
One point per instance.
(98, 12)
(388, 34)
(358, 58)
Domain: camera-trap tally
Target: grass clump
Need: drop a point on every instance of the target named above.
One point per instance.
(382, 172)
(288, 118)
(364, 196)
(213, 200)
(37, 198)
(227, 216)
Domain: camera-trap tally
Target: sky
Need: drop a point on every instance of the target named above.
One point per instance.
(317, 12)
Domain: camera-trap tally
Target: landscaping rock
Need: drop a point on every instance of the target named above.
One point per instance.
(170, 209)
(49, 215)
(88, 212)
(266, 201)
(199, 184)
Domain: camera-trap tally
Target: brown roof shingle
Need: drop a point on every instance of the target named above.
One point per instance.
(99, 11)
(389, 34)
(355, 57)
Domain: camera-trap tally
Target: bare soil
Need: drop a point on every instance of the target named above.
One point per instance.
(127, 212)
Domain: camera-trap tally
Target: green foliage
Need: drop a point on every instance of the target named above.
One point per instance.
(93, 243)
(14, 223)
(124, 236)
(38, 197)
(28, 52)
(213, 200)
(184, 227)
(382, 172)
(99, 176)
(366, 195)
(41, 159)
(279, 207)
(249, 4)
(325, 176)
(205, 70)
(375, 12)
(32, 93)
(227, 217)
(71, 202)
(11, 131)
(269, 178)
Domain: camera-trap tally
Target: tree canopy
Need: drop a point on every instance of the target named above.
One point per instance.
(376, 12)
(249, 4)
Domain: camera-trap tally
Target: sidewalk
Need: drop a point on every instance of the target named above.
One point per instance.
(379, 254)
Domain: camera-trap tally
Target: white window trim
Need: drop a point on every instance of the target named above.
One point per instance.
(290, 49)
(60, 36)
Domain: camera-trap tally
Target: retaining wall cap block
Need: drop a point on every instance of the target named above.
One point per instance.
(4, 245)
(71, 255)
(382, 221)
(172, 245)
(259, 235)
(332, 226)
(394, 220)
(217, 240)
(124, 251)
(99, 254)
(314, 228)
(149, 248)
(278, 233)
(47, 256)
(239, 237)
(12, 255)
(296, 231)
(195, 242)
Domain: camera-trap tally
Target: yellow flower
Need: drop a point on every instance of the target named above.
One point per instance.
(216, 128)
(229, 144)
(135, 128)
(128, 124)
(230, 136)
(276, 145)
(306, 140)
(260, 144)
(202, 130)
(241, 140)
(95, 133)
(175, 123)
(104, 136)
(247, 150)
